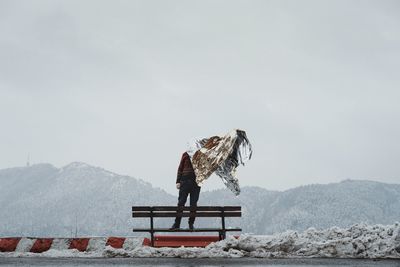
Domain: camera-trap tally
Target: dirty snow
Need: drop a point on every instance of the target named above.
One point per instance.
(24, 245)
(96, 244)
(60, 243)
(357, 241)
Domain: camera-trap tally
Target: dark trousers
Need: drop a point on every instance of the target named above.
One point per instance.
(188, 187)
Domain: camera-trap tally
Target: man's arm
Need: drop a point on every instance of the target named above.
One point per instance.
(180, 169)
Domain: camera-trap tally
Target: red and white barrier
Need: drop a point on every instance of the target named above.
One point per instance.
(38, 245)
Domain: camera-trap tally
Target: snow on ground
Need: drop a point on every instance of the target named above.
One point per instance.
(357, 241)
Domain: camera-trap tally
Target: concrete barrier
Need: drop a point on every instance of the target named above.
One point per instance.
(38, 245)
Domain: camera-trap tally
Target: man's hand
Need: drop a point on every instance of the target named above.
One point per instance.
(178, 185)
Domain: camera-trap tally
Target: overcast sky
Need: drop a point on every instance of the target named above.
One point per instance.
(124, 84)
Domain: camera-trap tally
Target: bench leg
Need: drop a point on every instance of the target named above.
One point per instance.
(152, 227)
(222, 235)
(152, 238)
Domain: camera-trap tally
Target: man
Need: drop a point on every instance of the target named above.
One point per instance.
(186, 183)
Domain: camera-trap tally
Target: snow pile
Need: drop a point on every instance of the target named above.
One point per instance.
(357, 241)
(55, 253)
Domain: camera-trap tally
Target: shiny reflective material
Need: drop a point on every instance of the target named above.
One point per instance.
(222, 155)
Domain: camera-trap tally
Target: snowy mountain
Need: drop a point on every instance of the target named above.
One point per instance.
(77, 199)
(338, 204)
(83, 200)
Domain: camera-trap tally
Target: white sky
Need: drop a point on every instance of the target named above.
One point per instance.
(124, 84)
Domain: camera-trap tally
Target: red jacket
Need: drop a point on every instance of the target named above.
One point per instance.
(185, 169)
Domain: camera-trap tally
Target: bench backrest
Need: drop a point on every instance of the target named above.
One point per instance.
(175, 211)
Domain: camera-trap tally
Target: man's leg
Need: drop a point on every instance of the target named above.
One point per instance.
(194, 197)
(183, 194)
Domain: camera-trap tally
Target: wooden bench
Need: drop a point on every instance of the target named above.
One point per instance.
(175, 211)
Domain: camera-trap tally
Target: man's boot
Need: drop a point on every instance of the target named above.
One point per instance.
(191, 227)
(175, 226)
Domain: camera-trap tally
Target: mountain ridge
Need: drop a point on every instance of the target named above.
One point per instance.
(80, 164)
(79, 198)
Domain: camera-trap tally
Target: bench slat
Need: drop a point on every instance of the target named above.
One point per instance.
(175, 208)
(187, 230)
(186, 214)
